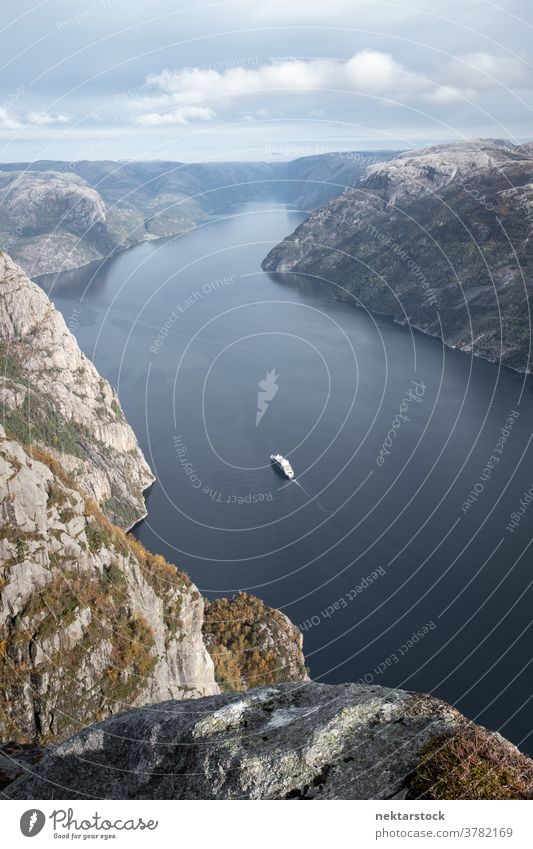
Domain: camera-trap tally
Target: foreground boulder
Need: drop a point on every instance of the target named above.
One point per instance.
(293, 741)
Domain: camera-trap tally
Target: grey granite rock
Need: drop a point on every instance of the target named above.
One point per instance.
(90, 623)
(291, 741)
(53, 397)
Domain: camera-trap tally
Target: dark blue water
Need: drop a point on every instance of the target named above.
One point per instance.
(364, 553)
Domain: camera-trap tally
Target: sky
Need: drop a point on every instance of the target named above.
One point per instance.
(242, 79)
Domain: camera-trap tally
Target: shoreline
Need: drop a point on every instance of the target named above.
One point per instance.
(408, 326)
(40, 279)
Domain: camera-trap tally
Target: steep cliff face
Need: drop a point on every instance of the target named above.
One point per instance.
(90, 623)
(439, 239)
(52, 396)
(293, 741)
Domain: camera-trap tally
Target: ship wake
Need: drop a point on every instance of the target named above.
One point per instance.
(311, 498)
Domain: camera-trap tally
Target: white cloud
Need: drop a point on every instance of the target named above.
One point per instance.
(45, 119)
(8, 121)
(450, 94)
(179, 97)
(196, 84)
(369, 72)
(486, 71)
(373, 72)
(177, 117)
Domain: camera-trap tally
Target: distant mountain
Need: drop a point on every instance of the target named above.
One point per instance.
(439, 239)
(57, 216)
(310, 181)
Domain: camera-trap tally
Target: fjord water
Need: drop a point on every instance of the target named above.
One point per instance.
(393, 580)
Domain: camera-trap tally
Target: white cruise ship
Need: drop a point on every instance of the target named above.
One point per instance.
(283, 465)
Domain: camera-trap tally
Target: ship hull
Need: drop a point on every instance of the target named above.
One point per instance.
(282, 466)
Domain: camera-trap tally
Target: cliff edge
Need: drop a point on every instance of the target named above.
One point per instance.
(90, 622)
(52, 396)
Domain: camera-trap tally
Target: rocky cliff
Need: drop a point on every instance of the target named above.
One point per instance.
(252, 644)
(293, 741)
(52, 220)
(55, 216)
(52, 396)
(63, 200)
(90, 623)
(437, 238)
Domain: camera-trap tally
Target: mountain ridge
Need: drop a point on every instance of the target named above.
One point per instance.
(44, 204)
(437, 239)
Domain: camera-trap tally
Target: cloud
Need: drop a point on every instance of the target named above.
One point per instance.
(174, 96)
(276, 88)
(450, 94)
(373, 72)
(45, 119)
(485, 71)
(177, 117)
(8, 121)
(191, 85)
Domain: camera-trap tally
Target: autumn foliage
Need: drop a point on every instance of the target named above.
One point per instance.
(251, 644)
